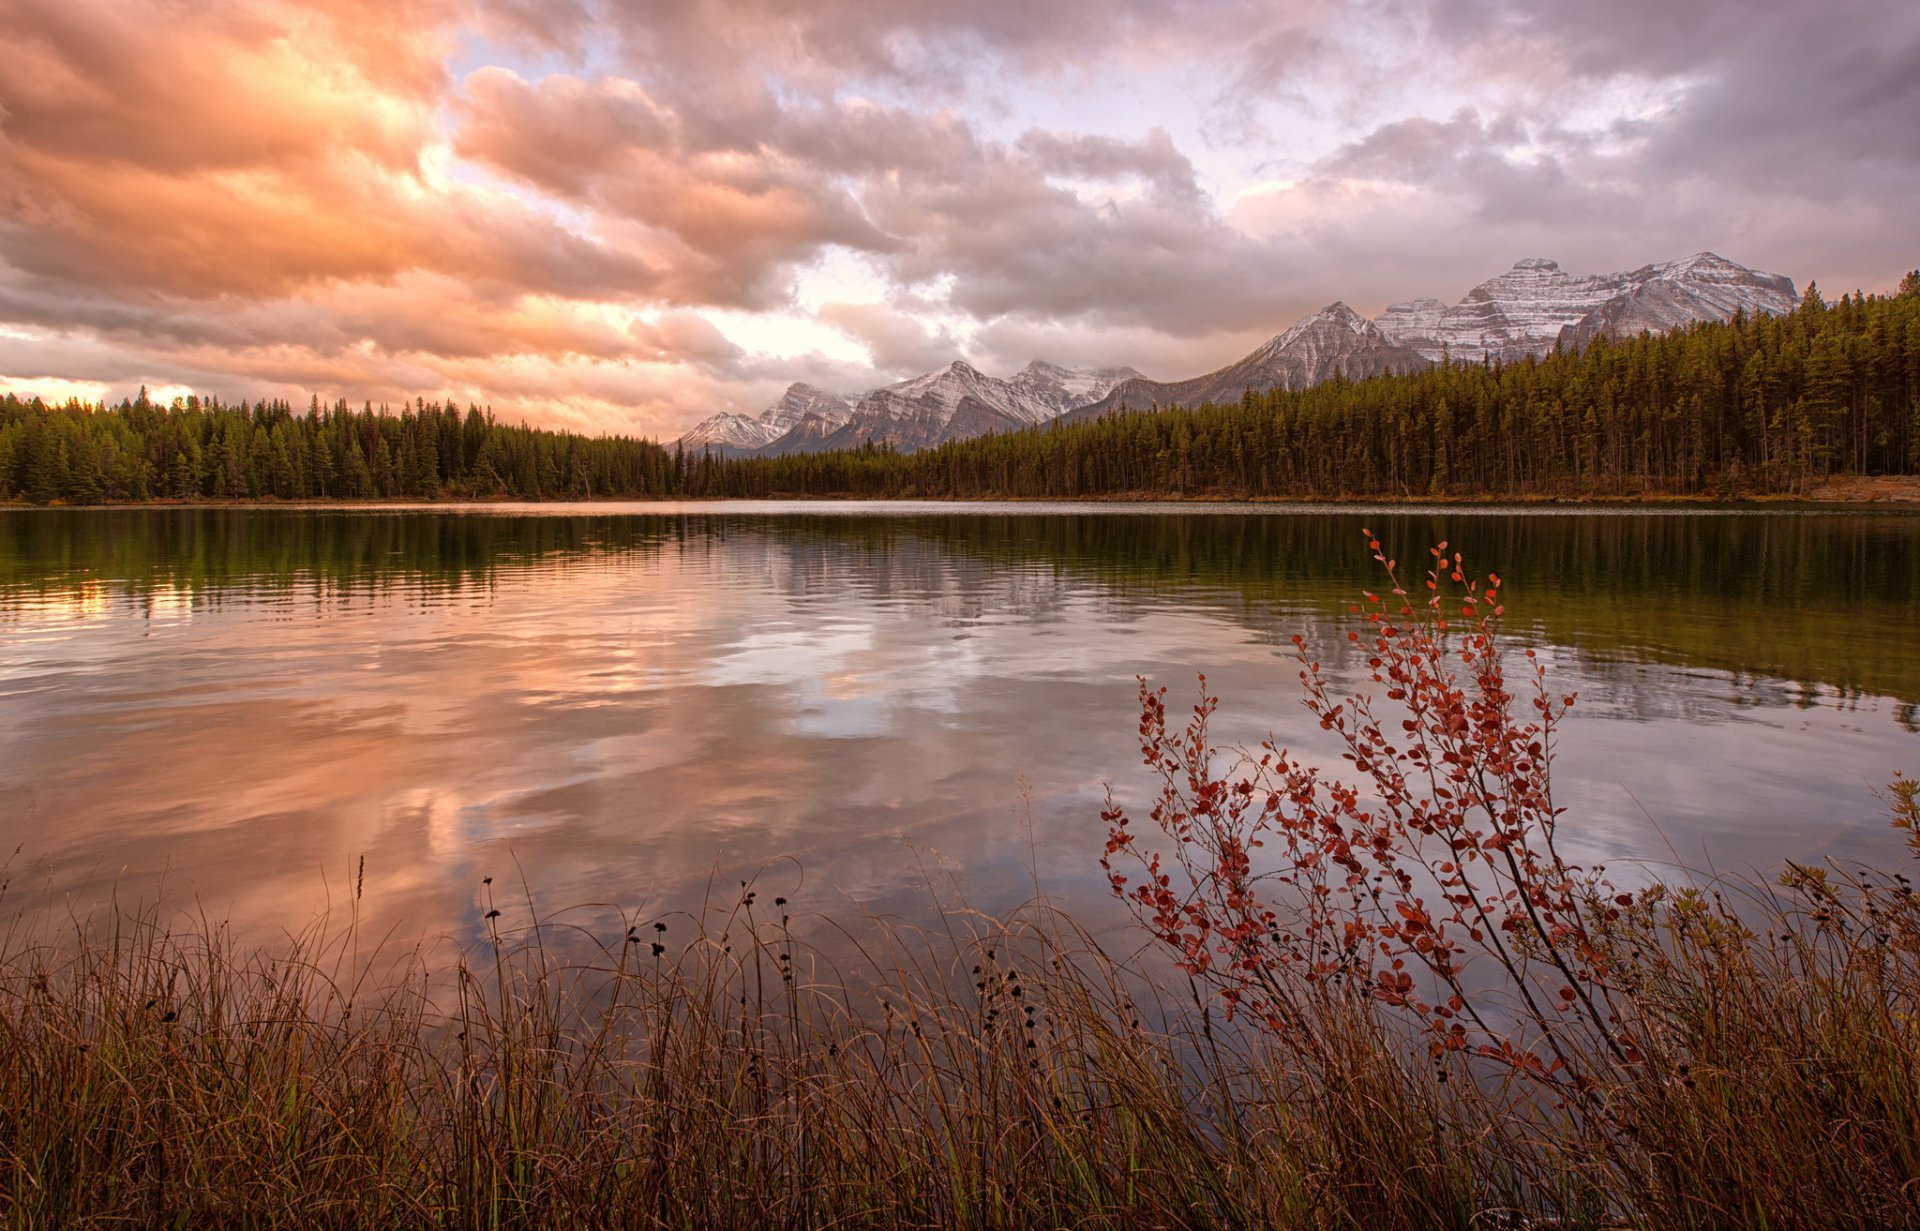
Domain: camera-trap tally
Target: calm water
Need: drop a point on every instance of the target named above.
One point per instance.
(871, 706)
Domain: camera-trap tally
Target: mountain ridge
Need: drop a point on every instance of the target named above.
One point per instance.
(1526, 311)
(960, 401)
(1333, 341)
(803, 408)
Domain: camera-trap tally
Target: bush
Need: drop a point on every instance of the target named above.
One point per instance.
(1701, 1072)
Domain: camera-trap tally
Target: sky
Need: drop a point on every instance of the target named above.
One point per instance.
(626, 215)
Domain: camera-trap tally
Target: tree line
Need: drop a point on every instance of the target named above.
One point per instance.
(1755, 405)
(194, 447)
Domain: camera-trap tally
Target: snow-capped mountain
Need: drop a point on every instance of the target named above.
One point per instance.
(958, 402)
(1535, 305)
(728, 431)
(801, 408)
(1703, 287)
(1066, 389)
(1335, 339)
(1526, 311)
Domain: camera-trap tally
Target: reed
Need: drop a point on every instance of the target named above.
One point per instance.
(1010, 1074)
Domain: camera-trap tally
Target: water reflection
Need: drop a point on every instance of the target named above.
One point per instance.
(233, 706)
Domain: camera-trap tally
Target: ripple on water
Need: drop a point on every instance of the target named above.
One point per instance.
(628, 705)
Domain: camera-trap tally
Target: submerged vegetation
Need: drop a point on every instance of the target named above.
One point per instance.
(1752, 406)
(1387, 1002)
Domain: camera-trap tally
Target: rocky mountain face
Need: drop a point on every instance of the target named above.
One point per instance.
(802, 409)
(960, 401)
(1528, 310)
(727, 434)
(952, 404)
(1066, 389)
(1334, 340)
(1704, 287)
(1536, 305)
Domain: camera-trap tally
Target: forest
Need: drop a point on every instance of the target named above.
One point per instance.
(199, 448)
(1753, 406)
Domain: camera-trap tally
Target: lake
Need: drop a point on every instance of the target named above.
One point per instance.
(871, 709)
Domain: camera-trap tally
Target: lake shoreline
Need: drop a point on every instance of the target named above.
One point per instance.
(1880, 492)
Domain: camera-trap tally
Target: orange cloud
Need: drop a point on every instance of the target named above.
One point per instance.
(263, 190)
(727, 222)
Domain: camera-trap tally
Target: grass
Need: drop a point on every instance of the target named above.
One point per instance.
(1010, 1075)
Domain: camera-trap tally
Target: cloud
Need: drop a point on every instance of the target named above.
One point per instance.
(1769, 98)
(569, 208)
(1153, 159)
(1010, 343)
(256, 150)
(943, 47)
(899, 343)
(1014, 233)
(727, 222)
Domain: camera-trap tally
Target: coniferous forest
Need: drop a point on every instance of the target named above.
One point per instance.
(1752, 406)
(200, 448)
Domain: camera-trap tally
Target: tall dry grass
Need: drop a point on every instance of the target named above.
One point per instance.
(1014, 1077)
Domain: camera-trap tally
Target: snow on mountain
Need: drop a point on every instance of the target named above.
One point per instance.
(801, 401)
(1701, 287)
(729, 431)
(1335, 339)
(938, 396)
(1527, 310)
(1418, 318)
(802, 405)
(958, 402)
(1536, 304)
(1066, 389)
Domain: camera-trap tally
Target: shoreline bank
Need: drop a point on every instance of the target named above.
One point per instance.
(1879, 492)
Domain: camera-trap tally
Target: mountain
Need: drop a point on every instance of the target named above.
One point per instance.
(1699, 288)
(1335, 339)
(728, 434)
(958, 402)
(1536, 305)
(801, 409)
(1066, 389)
(1528, 310)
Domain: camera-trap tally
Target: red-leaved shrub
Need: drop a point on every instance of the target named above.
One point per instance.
(1430, 880)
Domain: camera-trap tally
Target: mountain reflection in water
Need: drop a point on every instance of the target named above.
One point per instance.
(883, 707)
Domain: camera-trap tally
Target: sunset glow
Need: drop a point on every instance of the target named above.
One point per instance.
(625, 216)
